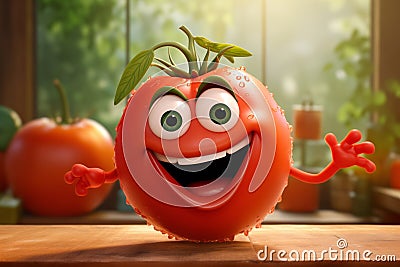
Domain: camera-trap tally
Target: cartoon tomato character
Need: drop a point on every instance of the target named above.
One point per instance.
(205, 154)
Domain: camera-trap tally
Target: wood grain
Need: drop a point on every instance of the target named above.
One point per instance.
(139, 245)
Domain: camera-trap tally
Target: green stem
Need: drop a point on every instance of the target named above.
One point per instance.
(186, 52)
(176, 70)
(192, 49)
(164, 69)
(203, 67)
(191, 40)
(66, 114)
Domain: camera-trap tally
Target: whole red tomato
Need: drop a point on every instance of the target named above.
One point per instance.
(225, 197)
(40, 154)
(205, 154)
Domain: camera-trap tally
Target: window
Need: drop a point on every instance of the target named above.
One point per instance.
(83, 43)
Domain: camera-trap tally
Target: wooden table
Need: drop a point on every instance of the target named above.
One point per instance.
(140, 245)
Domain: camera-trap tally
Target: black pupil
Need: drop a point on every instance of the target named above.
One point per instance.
(220, 113)
(171, 120)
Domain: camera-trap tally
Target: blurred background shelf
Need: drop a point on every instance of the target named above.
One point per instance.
(317, 217)
(387, 198)
(386, 211)
(278, 217)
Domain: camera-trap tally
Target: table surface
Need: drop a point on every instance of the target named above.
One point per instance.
(137, 245)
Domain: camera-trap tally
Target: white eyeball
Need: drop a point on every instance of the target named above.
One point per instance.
(169, 117)
(217, 110)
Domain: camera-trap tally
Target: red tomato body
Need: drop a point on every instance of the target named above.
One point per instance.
(183, 212)
(300, 197)
(40, 154)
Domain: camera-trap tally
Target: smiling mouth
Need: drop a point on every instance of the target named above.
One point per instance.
(203, 170)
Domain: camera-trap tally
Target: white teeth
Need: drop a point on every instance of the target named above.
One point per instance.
(164, 158)
(238, 146)
(201, 159)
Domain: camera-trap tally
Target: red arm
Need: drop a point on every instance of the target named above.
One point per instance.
(344, 155)
(88, 178)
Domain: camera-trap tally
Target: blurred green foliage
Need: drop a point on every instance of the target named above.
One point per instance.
(353, 61)
(80, 43)
(365, 106)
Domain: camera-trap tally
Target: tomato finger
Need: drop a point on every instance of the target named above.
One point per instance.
(69, 178)
(352, 137)
(364, 148)
(79, 170)
(331, 140)
(368, 165)
(81, 188)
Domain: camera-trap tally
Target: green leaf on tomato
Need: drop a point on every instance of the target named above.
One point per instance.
(133, 74)
(235, 51)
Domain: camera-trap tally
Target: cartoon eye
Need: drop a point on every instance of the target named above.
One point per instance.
(171, 121)
(169, 117)
(217, 110)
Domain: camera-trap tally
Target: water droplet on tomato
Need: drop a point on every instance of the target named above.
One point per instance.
(246, 78)
(271, 210)
(242, 84)
(242, 68)
(227, 71)
(250, 117)
(238, 77)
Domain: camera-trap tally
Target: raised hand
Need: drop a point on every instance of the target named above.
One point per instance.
(344, 154)
(347, 153)
(88, 178)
